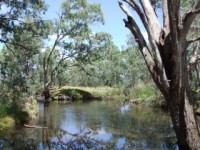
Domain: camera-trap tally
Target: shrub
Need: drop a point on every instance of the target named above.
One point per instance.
(143, 91)
(4, 107)
(7, 122)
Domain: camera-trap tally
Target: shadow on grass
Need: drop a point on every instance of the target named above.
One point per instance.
(77, 94)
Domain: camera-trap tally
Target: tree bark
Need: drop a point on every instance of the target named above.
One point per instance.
(184, 122)
(165, 58)
(46, 94)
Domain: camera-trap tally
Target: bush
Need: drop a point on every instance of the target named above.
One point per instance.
(143, 91)
(7, 122)
(77, 94)
(147, 94)
(4, 107)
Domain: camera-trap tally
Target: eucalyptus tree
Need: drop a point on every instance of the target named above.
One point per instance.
(135, 69)
(108, 70)
(20, 34)
(18, 65)
(115, 67)
(13, 18)
(74, 40)
(165, 57)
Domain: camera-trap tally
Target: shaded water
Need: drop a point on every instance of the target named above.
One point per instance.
(94, 125)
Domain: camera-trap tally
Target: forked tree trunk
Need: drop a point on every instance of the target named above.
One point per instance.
(165, 57)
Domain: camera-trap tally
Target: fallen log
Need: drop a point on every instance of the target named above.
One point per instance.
(31, 126)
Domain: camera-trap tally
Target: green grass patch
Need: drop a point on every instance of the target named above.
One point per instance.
(147, 94)
(7, 122)
(85, 93)
(144, 91)
(77, 94)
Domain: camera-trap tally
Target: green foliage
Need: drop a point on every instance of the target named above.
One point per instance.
(114, 68)
(75, 43)
(14, 111)
(144, 91)
(7, 122)
(20, 116)
(21, 33)
(13, 18)
(4, 106)
(76, 94)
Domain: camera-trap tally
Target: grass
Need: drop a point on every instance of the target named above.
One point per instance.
(147, 94)
(87, 92)
(144, 91)
(141, 93)
(12, 113)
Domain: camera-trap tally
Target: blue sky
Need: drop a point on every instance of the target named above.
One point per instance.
(113, 16)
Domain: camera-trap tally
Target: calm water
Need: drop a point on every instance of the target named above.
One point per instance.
(94, 125)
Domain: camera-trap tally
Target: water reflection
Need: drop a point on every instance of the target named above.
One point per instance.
(94, 125)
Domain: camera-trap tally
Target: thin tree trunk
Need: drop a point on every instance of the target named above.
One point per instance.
(46, 94)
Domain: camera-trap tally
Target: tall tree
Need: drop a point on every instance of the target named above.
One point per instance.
(74, 39)
(17, 64)
(21, 29)
(165, 58)
(13, 18)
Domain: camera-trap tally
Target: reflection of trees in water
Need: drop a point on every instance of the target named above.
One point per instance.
(97, 127)
(83, 140)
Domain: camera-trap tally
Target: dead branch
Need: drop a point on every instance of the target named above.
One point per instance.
(33, 126)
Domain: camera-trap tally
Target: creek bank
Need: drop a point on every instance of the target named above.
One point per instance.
(153, 101)
(70, 94)
(19, 112)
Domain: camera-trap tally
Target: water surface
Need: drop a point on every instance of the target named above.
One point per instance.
(94, 125)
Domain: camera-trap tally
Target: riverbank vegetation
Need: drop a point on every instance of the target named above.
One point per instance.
(64, 59)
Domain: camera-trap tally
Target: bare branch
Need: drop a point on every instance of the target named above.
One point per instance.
(134, 28)
(124, 8)
(141, 14)
(165, 17)
(152, 19)
(155, 66)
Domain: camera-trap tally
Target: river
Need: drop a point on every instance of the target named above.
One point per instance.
(94, 125)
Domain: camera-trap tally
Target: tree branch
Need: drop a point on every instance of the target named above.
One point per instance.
(152, 19)
(188, 18)
(194, 60)
(134, 28)
(165, 17)
(173, 6)
(10, 49)
(15, 44)
(58, 64)
(193, 40)
(155, 66)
